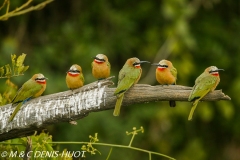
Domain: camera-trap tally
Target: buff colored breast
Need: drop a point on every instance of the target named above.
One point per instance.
(73, 82)
(164, 76)
(100, 70)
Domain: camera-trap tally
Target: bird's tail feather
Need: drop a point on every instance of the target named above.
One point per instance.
(15, 111)
(118, 105)
(192, 110)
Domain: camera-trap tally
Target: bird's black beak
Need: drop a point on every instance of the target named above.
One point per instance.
(216, 70)
(219, 70)
(155, 64)
(143, 62)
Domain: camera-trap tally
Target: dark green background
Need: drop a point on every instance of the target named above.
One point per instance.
(192, 34)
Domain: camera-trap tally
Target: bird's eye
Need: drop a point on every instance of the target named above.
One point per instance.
(99, 59)
(38, 79)
(76, 71)
(135, 63)
(165, 66)
(211, 71)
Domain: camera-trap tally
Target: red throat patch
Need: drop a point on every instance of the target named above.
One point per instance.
(73, 74)
(215, 74)
(41, 81)
(160, 68)
(98, 62)
(138, 66)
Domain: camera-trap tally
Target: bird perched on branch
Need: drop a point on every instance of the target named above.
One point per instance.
(166, 74)
(74, 78)
(128, 76)
(33, 88)
(101, 67)
(205, 83)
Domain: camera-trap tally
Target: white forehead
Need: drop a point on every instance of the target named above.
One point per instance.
(100, 56)
(163, 62)
(73, 67)
(213, 68)
(40, 75)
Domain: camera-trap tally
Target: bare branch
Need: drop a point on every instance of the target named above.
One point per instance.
(71, 105)
(22, 9)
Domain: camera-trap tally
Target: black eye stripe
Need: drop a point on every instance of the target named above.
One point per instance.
(103, 60)
(135, 63)
(211, 71)
(39, 79)
(74, 71)
(166, 66)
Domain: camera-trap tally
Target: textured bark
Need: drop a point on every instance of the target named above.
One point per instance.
(71, 105)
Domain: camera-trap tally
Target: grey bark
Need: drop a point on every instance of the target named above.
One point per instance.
(72, 105)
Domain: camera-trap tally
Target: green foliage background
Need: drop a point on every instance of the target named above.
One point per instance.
(192, 34)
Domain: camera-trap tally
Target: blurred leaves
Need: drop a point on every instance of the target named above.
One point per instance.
(9, 92)
(17, 67)
(201, 34)
(36, 147)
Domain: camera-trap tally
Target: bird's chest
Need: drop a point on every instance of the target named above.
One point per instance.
(101, 70)
(165, 77)
(39, 93)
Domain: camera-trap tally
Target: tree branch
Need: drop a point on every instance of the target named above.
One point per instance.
(94, 97)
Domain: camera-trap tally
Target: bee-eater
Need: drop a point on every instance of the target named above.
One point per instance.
(74, 78)
(128, 76)
(33, 88)
(166, 74)
(205, 83)
(101, 67)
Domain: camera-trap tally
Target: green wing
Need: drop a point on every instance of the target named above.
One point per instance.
(92, 64)
(27, 90)
(108, 64)
(202, 86)
(82, 78)
(174, 72)
(127, 77)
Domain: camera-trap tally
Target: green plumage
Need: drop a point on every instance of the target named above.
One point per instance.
(28, 90)
(173, 71)
(128, 76)
(203, 84)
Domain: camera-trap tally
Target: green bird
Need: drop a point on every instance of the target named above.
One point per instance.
(33, 88)
(128, 76)
(205, 83)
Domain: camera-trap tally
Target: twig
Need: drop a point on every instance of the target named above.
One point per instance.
(20, 10)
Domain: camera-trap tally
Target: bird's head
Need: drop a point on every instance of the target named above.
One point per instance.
(213, 70)
(39, 78)
(163, 64)
(100, 58)
(74, 70)
(135, 62)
